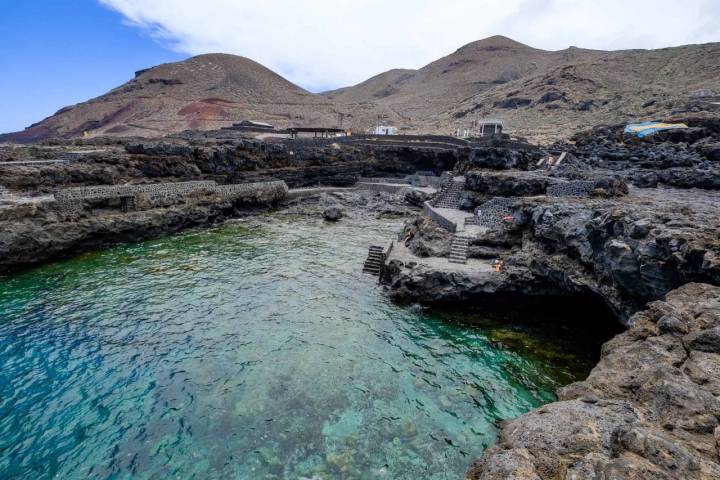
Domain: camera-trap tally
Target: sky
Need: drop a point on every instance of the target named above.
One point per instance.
(59, 52)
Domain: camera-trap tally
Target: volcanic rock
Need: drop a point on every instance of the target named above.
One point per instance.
(647, 410)
(332, 214)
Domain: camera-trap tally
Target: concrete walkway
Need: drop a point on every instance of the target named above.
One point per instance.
(394, 187)
(20, 163)
(295, 193)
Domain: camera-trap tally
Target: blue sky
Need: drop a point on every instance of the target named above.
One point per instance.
(56, 53)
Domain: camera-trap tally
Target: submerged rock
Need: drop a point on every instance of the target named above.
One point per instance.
(332, 214)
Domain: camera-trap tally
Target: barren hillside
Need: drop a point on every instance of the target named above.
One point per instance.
(204, 92)
(539, 94)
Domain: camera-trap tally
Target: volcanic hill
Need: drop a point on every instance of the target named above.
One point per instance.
(540, 94)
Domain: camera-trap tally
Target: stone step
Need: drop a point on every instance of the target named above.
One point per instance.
(458, 249)
(375, 260)
(371, 269)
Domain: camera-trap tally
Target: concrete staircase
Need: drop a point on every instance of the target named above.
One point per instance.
(450, 195)
(470, 221)
(458, 249)
(375, 261)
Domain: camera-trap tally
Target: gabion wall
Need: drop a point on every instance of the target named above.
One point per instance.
(575, 188)
(491, 213)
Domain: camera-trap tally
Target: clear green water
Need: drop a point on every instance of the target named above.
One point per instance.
(251, 351)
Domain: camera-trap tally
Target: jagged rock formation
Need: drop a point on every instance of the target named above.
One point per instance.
(576, 228)
(680, 158)
(543, 94)
(627, 251)
(649, 409)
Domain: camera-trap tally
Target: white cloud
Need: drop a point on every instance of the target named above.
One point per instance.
(322, 44)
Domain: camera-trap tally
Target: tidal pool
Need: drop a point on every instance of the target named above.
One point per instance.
(255, 350)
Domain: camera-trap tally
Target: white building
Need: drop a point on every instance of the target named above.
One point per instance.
(481, 128)
(489, 127)
(385, 130)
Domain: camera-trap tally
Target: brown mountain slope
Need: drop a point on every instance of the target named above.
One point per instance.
(543, 94)
(540, 94)
(204, 92)
(417, 98)
(601, 87)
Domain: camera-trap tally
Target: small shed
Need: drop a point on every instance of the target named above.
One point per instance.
(489, 127)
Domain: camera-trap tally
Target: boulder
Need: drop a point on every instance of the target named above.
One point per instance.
(416, 197)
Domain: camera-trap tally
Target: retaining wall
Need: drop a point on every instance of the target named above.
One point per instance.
(435, 216)
(131, 197)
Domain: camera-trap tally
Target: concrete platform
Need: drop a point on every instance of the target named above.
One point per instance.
(473, 266)
(458, 218)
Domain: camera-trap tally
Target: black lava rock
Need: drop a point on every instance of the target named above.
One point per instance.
(332, 214)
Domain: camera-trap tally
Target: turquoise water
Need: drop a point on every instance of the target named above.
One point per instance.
(252, 350)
